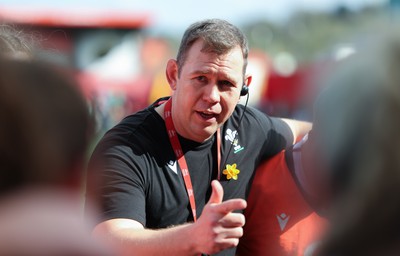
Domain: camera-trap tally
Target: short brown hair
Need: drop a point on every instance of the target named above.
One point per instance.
(219, 37)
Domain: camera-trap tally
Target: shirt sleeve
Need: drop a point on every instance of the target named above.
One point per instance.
(279, 136)
(117, 184)
(277, 133)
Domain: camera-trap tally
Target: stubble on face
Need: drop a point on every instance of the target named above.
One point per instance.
(206, 92)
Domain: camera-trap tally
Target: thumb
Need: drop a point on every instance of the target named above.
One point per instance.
(217, 193)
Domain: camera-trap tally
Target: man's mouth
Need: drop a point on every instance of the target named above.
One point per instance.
(206, 115)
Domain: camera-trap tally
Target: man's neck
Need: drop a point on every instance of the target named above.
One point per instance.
(160, 110)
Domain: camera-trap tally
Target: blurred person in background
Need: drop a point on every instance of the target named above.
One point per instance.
(351, 175)
(288, 199)
(364, 106)
(291, 193)
(153, 205)
(43, 137)
(154, 54)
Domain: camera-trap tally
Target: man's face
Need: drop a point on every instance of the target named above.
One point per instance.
(206, 92)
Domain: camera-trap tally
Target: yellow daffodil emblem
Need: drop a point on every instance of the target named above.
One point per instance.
(231, 172)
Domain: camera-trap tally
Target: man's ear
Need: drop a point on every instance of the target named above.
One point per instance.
(247, 80)
(172, 73)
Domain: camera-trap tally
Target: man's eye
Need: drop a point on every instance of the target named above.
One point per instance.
(201, 78)
(225, 83)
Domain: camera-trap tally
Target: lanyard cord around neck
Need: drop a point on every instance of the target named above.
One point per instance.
(176, 145)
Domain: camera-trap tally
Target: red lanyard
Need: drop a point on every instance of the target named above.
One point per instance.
(176, 145)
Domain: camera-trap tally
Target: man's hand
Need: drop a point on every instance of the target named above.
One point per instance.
(218, 228)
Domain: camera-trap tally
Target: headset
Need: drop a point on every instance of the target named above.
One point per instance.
(244, 91)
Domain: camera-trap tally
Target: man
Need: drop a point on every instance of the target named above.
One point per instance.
(156, 168)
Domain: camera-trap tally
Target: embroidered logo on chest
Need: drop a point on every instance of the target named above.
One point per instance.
(231, 136)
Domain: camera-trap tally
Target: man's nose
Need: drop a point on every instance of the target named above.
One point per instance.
(211, 93)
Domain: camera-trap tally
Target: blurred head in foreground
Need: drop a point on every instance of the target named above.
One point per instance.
(14, 43)
(45, 127)
(359, 114)
(44, 132)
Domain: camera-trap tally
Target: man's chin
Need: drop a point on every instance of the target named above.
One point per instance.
(208, 133)
(201, 135)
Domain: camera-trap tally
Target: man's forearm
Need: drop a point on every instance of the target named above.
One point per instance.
(175, 240)
(299, 128)
(218, 228)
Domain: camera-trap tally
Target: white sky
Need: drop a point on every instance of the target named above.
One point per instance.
(175, 15)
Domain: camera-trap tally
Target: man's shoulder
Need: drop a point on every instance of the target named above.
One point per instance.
(247, 110)
(144, 119)
(136, 130)
(249, 118)
(138, 138)
(140, 122)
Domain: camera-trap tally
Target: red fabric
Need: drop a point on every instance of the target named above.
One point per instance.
(274, 193)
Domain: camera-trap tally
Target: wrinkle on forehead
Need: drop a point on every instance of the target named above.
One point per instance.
(221, 70)
(228, 65)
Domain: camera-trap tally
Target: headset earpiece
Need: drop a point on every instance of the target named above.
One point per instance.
(244, 91)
